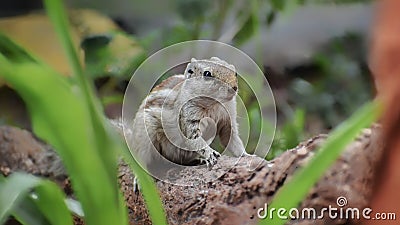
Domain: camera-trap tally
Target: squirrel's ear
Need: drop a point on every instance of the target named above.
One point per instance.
(188, 71)
(193, 60)
(215, 59)
(187, 74)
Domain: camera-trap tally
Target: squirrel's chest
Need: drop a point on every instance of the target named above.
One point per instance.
(215, 112)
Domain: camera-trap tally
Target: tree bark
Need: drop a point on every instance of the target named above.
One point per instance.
(234, 197)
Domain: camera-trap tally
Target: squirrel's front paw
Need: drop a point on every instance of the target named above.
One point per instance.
(209, 157)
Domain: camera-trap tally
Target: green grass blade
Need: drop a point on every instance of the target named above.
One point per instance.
(28, 213)
(293, 192)
(58, 16)
(49, 199)
(61, 117)
(12, 191)
(79, 134)
(74, 206)
(154, 205)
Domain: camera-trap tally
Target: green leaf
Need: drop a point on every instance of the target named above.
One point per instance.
(248, 29)
(66, 114)
(97, 54)
(27, 212)
(293, 129)
(74, 206)
(192, 10)
(12, 191)
(106, 144)
(46, 207)
(111, 54)
(61, 116)
(8, 49)
(292, 193)
(50, 200)
(278, 5)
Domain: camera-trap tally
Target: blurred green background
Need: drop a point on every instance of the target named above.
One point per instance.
(313, 53)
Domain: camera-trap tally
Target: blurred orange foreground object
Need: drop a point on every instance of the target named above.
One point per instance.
(385, 65)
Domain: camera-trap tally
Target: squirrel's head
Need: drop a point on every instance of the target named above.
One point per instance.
(212, 77)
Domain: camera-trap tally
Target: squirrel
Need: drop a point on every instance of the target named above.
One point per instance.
(180, 116)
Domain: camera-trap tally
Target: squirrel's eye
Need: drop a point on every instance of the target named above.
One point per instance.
(236, 74)
(207, 74)
(190, 71)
